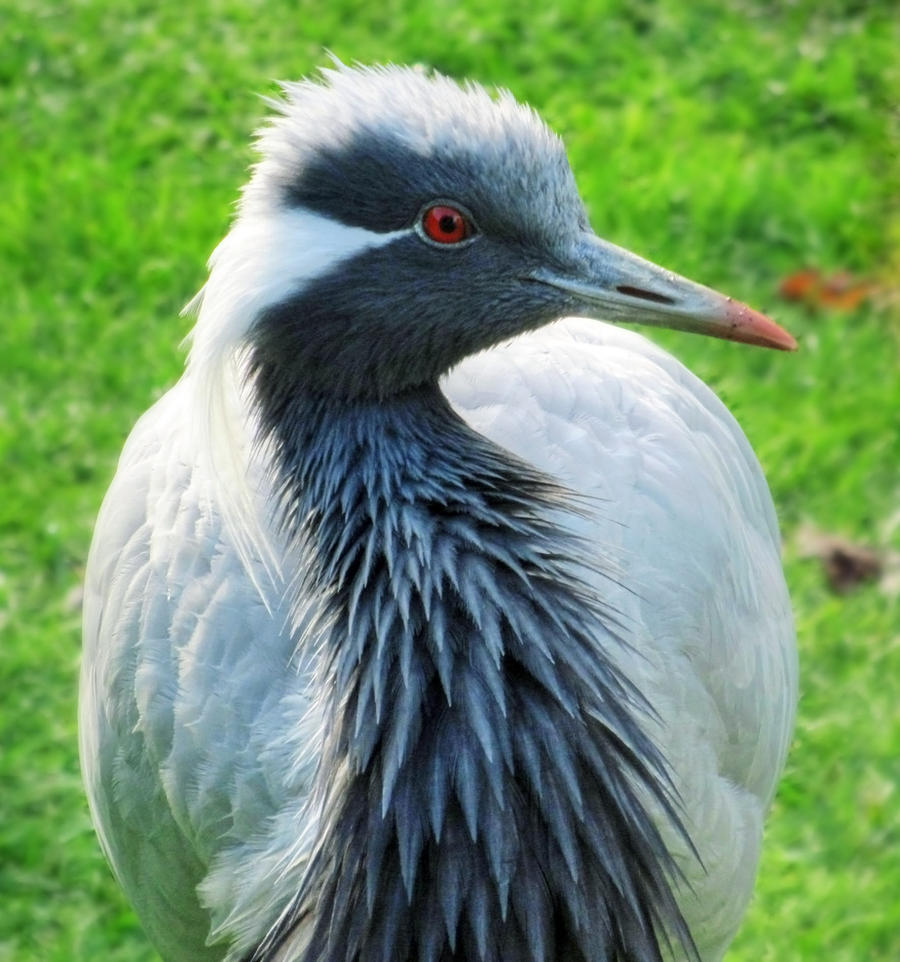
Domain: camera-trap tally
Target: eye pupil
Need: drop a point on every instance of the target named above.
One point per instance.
(445, 224)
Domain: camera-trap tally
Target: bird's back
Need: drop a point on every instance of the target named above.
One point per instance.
(198, 735)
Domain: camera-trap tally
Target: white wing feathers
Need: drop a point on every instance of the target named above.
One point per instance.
(684, 513)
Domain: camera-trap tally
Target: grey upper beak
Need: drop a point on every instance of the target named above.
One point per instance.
(612, 283)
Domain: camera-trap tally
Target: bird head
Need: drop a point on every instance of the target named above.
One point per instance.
(397, 223)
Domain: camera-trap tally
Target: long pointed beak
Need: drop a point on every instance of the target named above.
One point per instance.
(612, 283)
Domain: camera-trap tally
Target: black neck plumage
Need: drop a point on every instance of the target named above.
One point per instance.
(483, 767)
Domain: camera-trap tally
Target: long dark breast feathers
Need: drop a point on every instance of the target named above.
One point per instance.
(485, 782)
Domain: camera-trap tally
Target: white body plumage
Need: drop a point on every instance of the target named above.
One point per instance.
(210, 684)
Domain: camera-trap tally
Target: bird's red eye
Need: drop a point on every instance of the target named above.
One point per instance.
(446, 225)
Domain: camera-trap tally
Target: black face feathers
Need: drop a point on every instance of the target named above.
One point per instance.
(397, 317)
(366, 151)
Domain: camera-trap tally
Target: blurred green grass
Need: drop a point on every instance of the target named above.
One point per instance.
(732, 141)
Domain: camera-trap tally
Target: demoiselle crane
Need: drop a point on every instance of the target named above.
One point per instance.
(420, 624)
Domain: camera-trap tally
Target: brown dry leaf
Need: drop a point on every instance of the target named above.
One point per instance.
(840, 291)
(846, 564)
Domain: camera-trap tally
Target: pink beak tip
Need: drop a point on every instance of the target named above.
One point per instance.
(752, 327)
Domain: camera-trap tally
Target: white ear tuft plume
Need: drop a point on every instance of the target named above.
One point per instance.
(269, 254)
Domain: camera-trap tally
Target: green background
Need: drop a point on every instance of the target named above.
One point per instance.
(734, 142)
